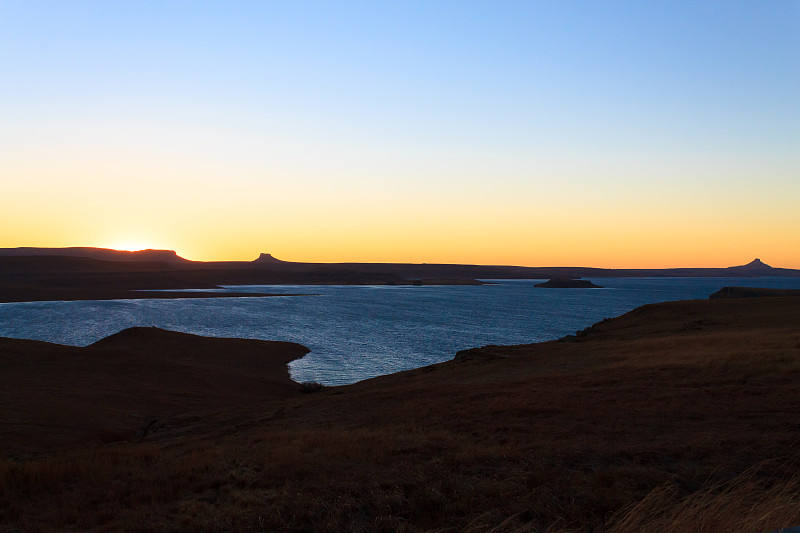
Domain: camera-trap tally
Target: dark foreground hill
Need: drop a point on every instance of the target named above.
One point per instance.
(674, 417)
(55, 396)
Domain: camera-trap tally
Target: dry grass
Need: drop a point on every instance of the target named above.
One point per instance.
(651, 422)
(750, 503)
(383, 480)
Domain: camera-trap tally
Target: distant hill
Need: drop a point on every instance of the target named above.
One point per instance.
(28, 274)
(408, 271)
(754, 267)
(426, 271)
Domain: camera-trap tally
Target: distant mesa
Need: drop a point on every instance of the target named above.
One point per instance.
(103, 254)
(568, 283)
(267, 258)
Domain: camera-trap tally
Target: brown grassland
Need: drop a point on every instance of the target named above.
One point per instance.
(674, 417)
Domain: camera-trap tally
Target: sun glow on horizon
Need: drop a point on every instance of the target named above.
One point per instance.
(131, 246)
(395, 133)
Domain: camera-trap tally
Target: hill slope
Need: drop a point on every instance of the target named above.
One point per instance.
(668, 397)
(55, 397)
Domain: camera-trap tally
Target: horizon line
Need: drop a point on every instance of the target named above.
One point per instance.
(270, 256)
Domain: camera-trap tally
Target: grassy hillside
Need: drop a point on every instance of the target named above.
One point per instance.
(674, 417)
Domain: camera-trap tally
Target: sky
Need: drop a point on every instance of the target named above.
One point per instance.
(539, 133)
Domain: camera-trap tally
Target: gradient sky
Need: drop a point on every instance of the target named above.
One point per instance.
(613, 134)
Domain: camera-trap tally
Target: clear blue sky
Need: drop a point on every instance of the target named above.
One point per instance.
(484, 107)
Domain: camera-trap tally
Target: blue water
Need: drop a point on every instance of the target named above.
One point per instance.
(357, 332)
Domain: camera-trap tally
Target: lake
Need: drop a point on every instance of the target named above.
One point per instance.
(358, 332)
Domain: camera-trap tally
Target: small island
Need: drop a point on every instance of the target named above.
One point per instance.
(568, 283)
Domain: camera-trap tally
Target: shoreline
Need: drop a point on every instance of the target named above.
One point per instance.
(10, 293)
(68, 296)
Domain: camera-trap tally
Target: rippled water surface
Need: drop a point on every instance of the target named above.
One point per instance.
(357, 332)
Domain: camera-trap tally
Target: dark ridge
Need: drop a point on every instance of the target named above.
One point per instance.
(167, 341)
(25, 265)
(753, 292)
(38, 274)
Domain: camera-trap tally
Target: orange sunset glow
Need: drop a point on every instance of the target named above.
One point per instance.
(359, 142)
